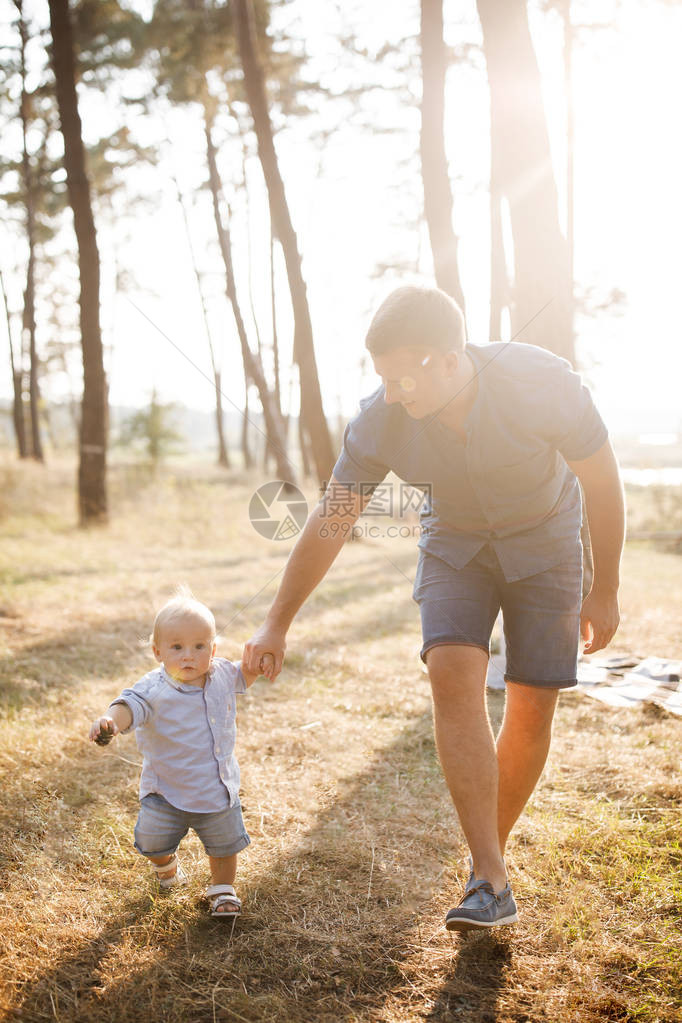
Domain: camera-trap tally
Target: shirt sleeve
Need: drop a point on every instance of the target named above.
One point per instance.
(232, 673)
(138, 700)
(240, 685)
(361, 465)
(574, 425)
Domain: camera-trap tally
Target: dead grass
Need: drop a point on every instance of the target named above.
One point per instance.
(355, 852)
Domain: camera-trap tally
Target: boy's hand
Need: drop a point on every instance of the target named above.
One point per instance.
(267, 666)
(103, 730)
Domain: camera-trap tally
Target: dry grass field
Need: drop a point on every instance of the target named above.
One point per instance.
(355, 854)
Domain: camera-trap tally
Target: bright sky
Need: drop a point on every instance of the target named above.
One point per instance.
(352, 203)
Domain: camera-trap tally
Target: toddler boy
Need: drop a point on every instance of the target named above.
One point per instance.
(184, 715)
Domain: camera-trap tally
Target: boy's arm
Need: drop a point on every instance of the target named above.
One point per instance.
(605, 508)
(117, 718)
(323, 536)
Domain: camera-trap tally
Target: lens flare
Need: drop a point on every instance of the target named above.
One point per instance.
(407, 384)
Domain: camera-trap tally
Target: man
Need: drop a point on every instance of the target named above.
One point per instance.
(499, 434)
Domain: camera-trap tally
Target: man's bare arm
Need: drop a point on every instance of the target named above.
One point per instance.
(328, 527)
(605, 508)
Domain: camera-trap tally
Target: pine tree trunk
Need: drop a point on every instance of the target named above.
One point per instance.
(570, 143)
(304, 351)
(520, 144)
(29, 327)
(499, 283)
(303, 447)
(253, 369)
(29, 315)
(275, 339)
(18, 414)
(435, 175)
(283, 418)
(92, 492)
(17, 383)
(223, 454)
(246, 450)
(249, 253)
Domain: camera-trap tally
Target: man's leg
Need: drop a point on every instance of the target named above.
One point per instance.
(541, 624)
(466, 748)
(522, 748)
(478, 776)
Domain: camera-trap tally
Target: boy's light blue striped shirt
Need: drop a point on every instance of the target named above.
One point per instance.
(186, 735)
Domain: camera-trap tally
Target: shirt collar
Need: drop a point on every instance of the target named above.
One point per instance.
(183, 687)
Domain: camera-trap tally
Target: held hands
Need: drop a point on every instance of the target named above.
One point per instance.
(264, 652)
(599, 619)
(266, 666)
(102, 730)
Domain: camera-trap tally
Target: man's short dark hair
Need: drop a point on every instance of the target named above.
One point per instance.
(414, 315)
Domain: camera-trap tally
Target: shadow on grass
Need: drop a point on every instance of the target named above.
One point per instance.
(341, 922)
(71, 989)
(476, 978)
(66, 659)
(243, 614)
(346, 580)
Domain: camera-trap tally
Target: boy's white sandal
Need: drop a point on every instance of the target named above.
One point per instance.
(179, 877)
(221, 895)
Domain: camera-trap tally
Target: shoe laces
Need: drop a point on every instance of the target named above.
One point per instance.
(485, 886)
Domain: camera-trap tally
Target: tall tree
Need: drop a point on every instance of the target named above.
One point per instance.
(92, 491)
(29, 314)
(17, 382)
(223, 453)
(312, 411)
(252, 362)
(184, 62)
(500, 295)
(435, 176)
(522, 166)
(565, 12)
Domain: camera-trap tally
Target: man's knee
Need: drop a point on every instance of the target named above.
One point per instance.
(530, 709)
(457, 672)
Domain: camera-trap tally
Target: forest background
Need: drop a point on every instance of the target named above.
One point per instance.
(346, 106)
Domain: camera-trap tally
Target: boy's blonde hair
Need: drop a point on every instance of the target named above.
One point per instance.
(182, 605)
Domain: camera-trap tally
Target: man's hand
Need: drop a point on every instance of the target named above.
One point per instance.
(603, 492)
(102, 730)
(267, 641)
(266, 667)
(599, 618)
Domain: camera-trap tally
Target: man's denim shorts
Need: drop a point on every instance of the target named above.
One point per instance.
(161, 827)
(541, 614)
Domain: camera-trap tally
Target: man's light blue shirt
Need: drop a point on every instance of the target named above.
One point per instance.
(507, 484)
(186, 735)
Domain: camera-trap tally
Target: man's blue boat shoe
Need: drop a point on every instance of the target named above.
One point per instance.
(482, 907)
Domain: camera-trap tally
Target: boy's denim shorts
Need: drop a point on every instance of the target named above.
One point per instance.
(161, 827)
(541, 614)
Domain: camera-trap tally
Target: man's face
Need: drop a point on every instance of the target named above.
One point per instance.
(415, 378)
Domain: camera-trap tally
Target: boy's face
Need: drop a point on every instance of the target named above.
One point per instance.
(186, 647)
